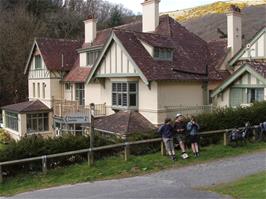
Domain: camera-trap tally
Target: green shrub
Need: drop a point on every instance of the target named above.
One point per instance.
(232, 117)
(4, 137)
(146, 148)
(34, 146)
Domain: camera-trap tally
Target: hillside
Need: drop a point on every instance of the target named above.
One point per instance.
(218, 7)
(254, 18)
(204, 20)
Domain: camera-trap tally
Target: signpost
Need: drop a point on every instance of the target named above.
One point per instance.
(90, 153)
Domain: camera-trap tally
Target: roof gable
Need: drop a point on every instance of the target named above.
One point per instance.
(57, 54)
(132, 70)
(236, 75)
(256, 48)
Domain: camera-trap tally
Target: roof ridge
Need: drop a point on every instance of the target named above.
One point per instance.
(58, 39)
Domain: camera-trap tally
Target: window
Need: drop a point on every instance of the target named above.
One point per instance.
(38, 62)
(38, 89)
(37, 122)
(210, 97)
(80, 94)
(12, 121)
(43, 90)
(255, 95)
(92, 57)
(67, 86)
(124, 94)
(163, 53)
(240, 96)
(33, 90)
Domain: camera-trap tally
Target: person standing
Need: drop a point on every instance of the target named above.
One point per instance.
(166, 132)
(180, 128)
(193, 128)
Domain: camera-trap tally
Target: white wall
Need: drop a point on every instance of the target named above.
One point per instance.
(83, 59)
(116, 62)
(49, 82)
(257, 50)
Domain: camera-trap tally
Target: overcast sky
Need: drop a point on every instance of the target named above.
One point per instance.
(165, 5)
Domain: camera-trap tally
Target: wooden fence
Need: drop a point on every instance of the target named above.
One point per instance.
(90, 151)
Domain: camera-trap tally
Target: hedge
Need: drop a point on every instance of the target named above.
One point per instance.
(232, 117)
(33, 146)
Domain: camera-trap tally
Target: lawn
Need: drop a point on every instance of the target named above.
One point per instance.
(251, 187)
(116, 167)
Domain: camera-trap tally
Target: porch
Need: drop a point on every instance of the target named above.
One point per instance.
(65, 108)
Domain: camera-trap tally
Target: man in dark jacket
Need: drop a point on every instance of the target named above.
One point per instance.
(166, 132)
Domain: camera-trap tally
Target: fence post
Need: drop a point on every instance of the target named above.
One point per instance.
(254, 134)
(225, 137)
(163, 152)
(1, 175)
(90, 158)
(44, 164)
(127, 151)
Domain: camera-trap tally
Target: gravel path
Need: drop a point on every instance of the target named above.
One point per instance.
(176, 183)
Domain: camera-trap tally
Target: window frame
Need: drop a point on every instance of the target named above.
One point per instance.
(67, 86)
(91, 57)
(37, 62)
(165, 54)
(11, 120)
(118, 93)
(41, 116)
(77, 93)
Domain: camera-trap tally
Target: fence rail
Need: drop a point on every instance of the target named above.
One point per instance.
(90, 151)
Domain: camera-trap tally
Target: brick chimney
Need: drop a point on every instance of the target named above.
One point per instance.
(234, 29)
(150, 16)
(90, 29)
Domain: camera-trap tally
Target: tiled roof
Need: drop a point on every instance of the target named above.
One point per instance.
(53, 50)
(218, 51)
(103, 35)
(190, 55)
(124, 123)
(77, 74)
(25, 107)
(259, 67)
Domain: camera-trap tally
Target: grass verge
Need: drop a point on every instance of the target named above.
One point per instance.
(116, 167)
(250, 187)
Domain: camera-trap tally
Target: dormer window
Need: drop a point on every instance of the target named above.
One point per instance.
(163, 54)
(92, 57)
(38, 62)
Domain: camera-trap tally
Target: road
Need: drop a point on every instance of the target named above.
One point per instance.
(176, 183)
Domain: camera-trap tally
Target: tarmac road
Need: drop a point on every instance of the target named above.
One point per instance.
(176, 183)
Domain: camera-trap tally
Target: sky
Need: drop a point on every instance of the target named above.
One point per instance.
(165, 5)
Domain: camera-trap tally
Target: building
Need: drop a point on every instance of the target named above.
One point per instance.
(154, 67)
(247, 82)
